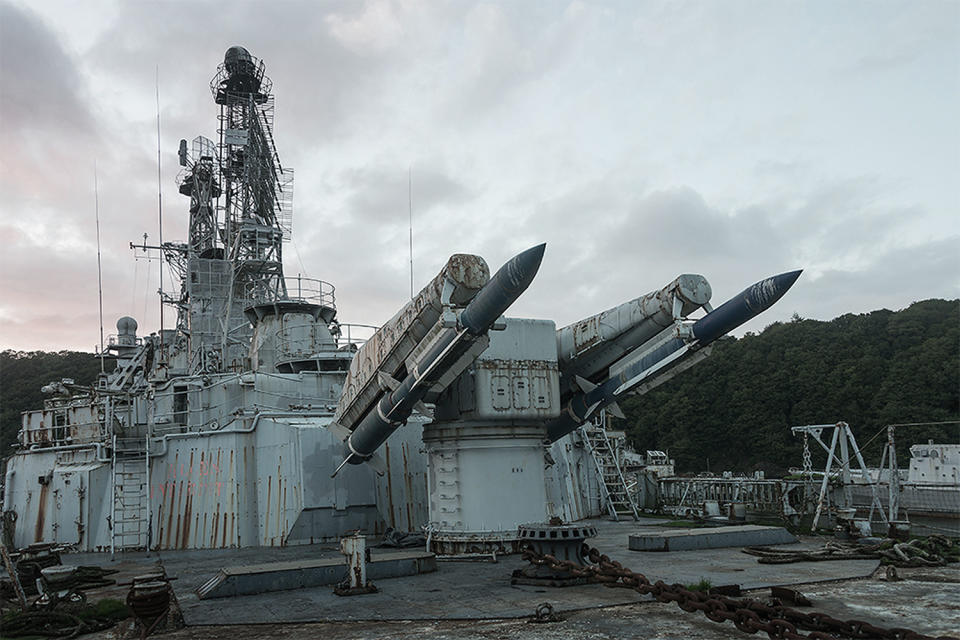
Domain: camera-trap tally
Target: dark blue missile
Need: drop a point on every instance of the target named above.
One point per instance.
(394, 408)
(504, 287)
(743, 307)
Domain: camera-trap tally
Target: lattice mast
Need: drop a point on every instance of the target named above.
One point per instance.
(201, 181)
(240, 214)
(255, 185)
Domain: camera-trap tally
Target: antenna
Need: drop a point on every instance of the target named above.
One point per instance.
(410, 209)
(160, 209)
(96, 204)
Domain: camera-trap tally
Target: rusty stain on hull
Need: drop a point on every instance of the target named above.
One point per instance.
(266, 528)
(280, 504)
(393, 516)
(41, 512)
(407, 480)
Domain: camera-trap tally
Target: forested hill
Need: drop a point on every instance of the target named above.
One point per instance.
(22, 373)
(734, 410)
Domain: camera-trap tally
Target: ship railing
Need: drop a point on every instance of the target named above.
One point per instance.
(355, 334)
(64, 434)
(254, 68)
(113, 340)
(303, 338)
(308, 338)
(764, 494)
(196, 417)
(296, 289)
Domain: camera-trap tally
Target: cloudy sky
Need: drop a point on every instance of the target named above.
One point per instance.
(640, 140)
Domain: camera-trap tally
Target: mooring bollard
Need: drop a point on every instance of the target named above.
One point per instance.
(354, 547)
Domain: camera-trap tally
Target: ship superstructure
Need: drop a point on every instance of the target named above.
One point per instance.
(260, 420)
(211, 434)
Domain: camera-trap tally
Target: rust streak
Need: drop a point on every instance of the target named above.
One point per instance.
(409, 485)
(266, 520)
(159, 544)
(173, 490)
(213, 529)
(42, 513)
(281, 502)
(393, 517)
(176, 537)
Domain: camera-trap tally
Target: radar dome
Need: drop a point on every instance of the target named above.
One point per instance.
(236, 55)
(127, 326)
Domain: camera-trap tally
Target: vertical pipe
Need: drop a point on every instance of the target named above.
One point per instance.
(894, 484)
(149, 513)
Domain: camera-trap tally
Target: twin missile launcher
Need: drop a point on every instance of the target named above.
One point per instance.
(676, 346)
(500, 389)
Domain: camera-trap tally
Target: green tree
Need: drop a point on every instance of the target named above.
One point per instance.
(869, 370)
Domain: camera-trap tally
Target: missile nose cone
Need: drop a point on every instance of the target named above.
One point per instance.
(521, 268)
(504, 287)
(762, 295)
(750, 303)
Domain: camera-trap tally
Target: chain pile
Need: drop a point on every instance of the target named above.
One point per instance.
(932, 551)
(52, 624)
(748, 615)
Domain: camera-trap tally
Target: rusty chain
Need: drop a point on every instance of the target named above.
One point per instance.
(747, 615)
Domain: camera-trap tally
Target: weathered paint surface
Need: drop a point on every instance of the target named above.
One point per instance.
(402, 491)
(52, 493)
(388, 348)
(75, 424)
(269, 487)
(573, 492)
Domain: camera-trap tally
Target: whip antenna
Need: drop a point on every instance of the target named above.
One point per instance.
(410, 210)
(96, 205)
(160, 209)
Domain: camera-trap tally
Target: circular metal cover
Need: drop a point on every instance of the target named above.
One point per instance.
(544, 531)
(150, 588)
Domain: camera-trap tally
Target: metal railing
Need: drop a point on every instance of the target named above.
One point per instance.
(355, 334)
(296, 289)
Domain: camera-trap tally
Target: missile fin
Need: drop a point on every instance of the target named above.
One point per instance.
(338, 430)
(387, 382)
(377, 463)
(614, 409)
(423, 409)
(590, 411)
(585, 385)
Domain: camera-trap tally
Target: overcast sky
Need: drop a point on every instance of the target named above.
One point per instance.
(640, 140)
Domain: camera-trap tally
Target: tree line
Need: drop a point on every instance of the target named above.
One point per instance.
(734, 410)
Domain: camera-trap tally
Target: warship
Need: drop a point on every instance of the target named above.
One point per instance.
(261, 420)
